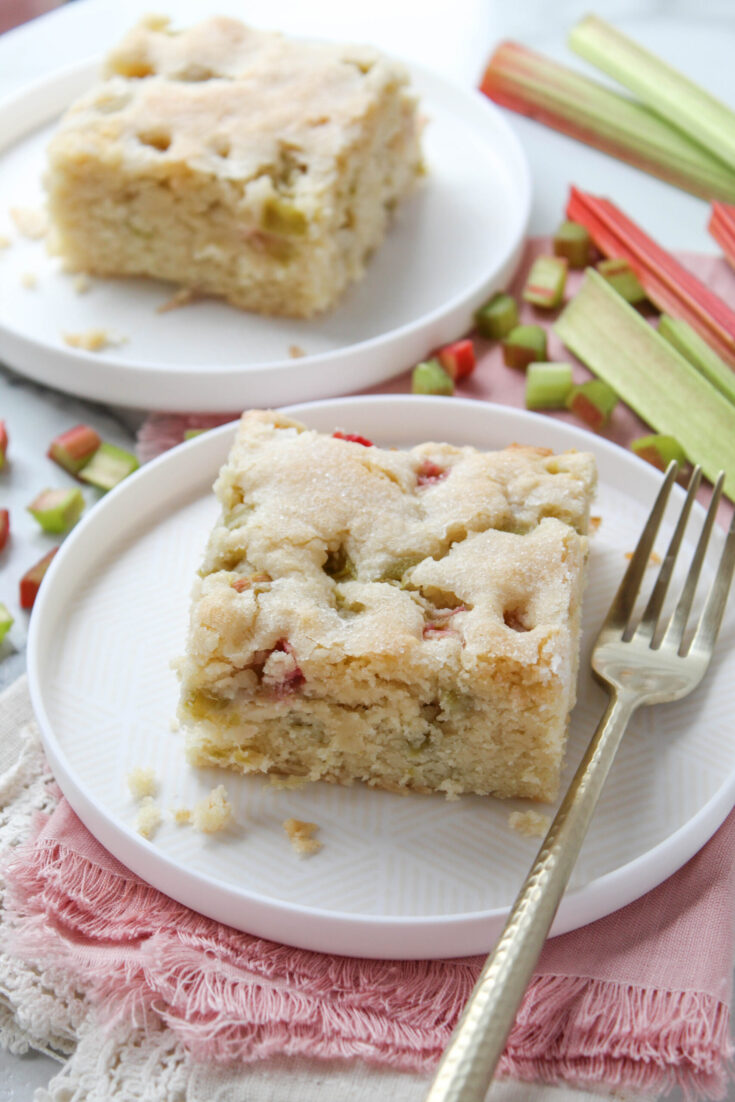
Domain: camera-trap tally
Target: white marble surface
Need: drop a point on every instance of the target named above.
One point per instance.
(454, 36)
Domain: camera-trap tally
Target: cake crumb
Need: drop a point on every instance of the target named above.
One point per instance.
(174, 724)
(301, 836)
(214, 812)
(92, 340)
(653, 559)
(595, 523)
(4, 241)
(295, 351)
(149, 817)
(29, 280)
(531, 823)
(142, 782)
(183, 297)
(30, 222)
(82, 283)
(181, 815)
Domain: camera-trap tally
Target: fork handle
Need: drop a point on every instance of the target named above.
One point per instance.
(473, 1052)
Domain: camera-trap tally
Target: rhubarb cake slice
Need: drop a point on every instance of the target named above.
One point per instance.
(409, 619)
(234, 162)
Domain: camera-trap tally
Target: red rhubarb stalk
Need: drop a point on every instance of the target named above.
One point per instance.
(722, 228)
(666, 282)
(30, 583)
(4, 527)
(527, 82)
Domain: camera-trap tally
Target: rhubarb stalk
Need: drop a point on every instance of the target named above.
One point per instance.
(668, 284)
(532, 85)
(659, 86)
(663, 388)
(722, 227)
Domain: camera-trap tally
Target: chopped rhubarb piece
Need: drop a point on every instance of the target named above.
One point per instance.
(659, 384)
(31, 581)
(722, 227)
(57, 510)
(189, 434)
(108, 466)
(547, 385)
(4, 527)
(685, 340)
(546, 282)
(249, 581)
(533, 85)
(621, 277)
(3, 443)
(441, 625)
(354, 438)
(429, 473)
(430, 377)
(6, 621)
(457, 359)
(572, 241)
(659, 450)
(593, 402)
(497, 317)
(524, 345)
(74, 448)
(659, 86)
(668, 284)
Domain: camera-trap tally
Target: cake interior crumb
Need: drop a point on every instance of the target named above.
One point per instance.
(142, 782)
(82, 283)
(531, 823)
(149, 817)
(92, 340)
(183, 297)
(295, 351)
(181, 815)
(654, 558)
(30, 222)
(214, 812)
(595, 523)
(29, 280)
(301, 836)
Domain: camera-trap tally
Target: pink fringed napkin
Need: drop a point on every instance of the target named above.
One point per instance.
(639, 999)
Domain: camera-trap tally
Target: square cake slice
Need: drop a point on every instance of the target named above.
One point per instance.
(409, 619)
(235, 162)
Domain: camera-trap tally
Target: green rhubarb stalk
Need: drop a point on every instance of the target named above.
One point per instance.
(546, 281)
(622, 278)
(430, 377)
(663, 388)
(572, 241)
(659, 86)
(548, 385)
(685, 340)
(108, 466)
(6, 621)
(532, 85)
(497, 316)
(659, 450)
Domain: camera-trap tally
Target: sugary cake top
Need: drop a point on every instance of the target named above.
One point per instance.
(239, 103)
(328, 550)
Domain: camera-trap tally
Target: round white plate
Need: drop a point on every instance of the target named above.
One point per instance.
(454, 242)
(401, 877)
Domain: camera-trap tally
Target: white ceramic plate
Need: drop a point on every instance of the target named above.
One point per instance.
(397, 877)
(453, 243)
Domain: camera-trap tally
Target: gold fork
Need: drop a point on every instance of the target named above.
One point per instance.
(638, 663)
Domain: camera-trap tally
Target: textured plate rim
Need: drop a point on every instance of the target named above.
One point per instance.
(398, 936)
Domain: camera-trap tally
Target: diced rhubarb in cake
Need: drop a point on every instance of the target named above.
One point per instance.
(235, 162)
(409, 619)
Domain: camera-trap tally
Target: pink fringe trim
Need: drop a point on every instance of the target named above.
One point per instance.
(231, 997)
